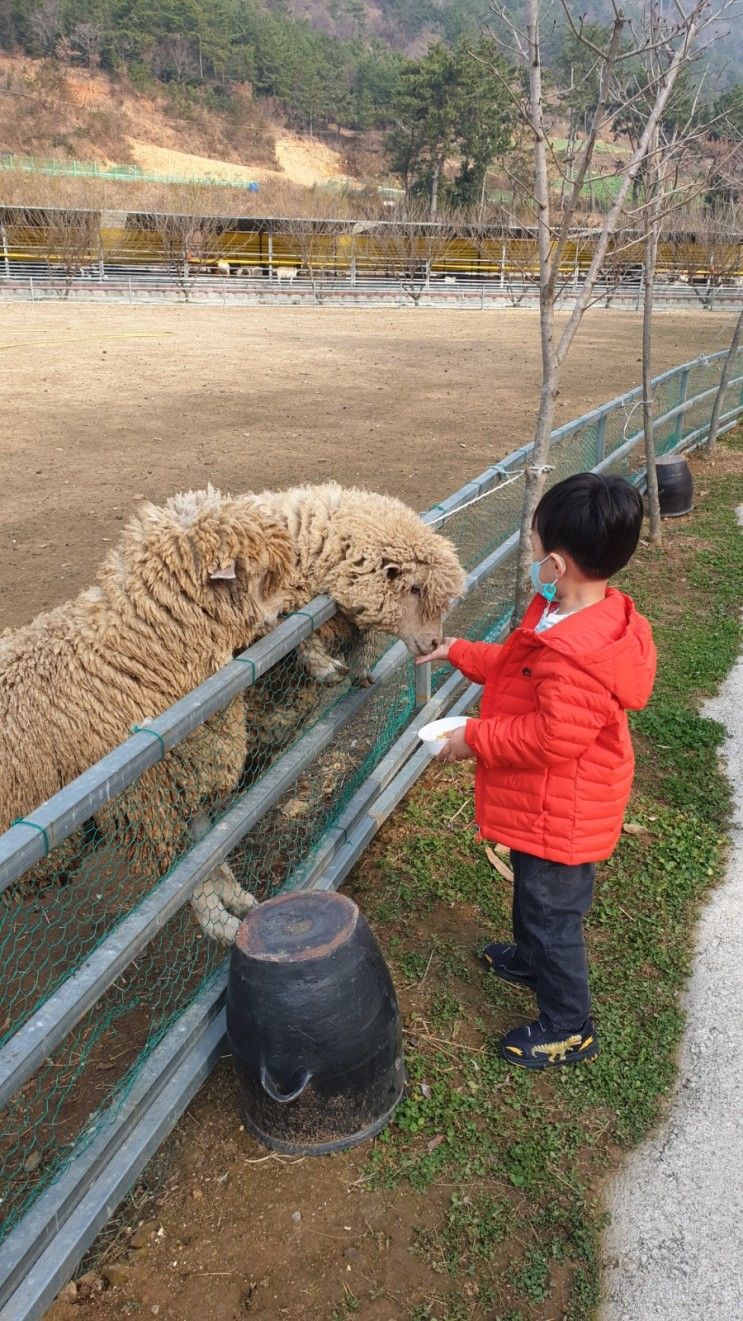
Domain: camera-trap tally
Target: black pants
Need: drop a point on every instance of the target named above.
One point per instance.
(550, 901)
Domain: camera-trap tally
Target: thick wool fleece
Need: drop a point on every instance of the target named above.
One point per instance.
(554, 756)
(369, 552)
(384, 568)
(188, 584)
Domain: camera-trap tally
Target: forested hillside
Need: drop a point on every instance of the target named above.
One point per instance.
(411, 24)
(322, 61)
(419, 74)
(213, 44)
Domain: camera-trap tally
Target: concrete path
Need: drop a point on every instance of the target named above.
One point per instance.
(674, 1249)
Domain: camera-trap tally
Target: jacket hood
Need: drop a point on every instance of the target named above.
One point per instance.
(610, 640)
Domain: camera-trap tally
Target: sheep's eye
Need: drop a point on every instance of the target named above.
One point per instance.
(415, 591)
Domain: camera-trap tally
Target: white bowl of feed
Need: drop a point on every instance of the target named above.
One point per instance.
(434, 734)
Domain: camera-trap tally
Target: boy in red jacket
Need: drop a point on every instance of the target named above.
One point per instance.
(554, 756)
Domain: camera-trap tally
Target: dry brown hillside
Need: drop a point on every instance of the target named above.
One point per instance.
(47, 110)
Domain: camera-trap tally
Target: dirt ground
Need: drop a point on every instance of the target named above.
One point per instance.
(105, 406)
(219, 1229)
(300, 161)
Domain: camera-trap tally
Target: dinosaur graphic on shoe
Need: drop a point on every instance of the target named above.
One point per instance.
(536, 1046)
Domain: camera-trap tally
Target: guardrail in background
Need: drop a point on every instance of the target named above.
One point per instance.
(43, 1247)
(440, 291)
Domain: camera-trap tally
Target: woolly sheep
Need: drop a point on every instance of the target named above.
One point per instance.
(382, 565)
(188, 585)
(384, 568)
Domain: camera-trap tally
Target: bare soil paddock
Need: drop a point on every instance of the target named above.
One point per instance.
(104, 406)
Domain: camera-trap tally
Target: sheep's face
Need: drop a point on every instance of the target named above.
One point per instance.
(403, 583)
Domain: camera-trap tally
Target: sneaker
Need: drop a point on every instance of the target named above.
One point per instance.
(504, 962)
(537, 1047)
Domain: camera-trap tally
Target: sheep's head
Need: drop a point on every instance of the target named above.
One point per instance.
(396, 574)
(226, 556)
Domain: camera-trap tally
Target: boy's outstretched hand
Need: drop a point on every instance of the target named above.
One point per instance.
(455, 748)
(440, 653)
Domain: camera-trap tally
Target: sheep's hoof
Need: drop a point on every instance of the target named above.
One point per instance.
(334, 672)
(242, 902)
(364, 680)
(223, 928)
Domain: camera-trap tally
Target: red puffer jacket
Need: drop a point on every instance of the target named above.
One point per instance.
(554, 756)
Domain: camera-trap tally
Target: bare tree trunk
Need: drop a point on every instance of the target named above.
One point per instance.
(548, 392)
(651, 257)
(435, 189)
(683, 30)
(727, 371)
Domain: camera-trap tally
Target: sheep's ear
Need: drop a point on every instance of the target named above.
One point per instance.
(392, 570)
(226, 570)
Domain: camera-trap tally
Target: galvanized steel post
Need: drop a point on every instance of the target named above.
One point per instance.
(601, 438)
(422, 684)
(678, 430)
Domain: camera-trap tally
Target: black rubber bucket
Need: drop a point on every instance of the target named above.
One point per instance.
(313, 1025)
(675, 486)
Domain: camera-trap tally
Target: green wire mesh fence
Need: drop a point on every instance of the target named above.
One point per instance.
(74, 169)
(67, 910)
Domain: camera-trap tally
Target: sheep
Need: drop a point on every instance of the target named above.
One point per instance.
(289, 273)
(187, 585)
(384, 568)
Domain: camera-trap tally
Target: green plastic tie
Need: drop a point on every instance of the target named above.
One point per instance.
(245, 660)
(305, 615)
(145, 729)
(22, 821)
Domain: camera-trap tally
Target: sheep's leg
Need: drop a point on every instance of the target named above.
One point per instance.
(319, 663)
(163, 814)
(220, 903)
(234, 897)
(211, 915)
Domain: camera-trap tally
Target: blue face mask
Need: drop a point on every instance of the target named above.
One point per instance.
(547, 590)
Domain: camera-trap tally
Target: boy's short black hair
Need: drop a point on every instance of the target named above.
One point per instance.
(596, 520)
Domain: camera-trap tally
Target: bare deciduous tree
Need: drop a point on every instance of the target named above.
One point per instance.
(72, 239)
(731, 175)
(716, 250)
(622, 50)
(411, 246)
(315, 239)
(87, 38)
(727, 371)
(175, 55)
(47, 25)
(190, 240)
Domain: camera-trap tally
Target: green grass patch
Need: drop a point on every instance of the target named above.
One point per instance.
(602, 148)
(507, 1165)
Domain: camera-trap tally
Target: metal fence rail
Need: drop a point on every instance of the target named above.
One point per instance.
(23, 282)
(43, 1247)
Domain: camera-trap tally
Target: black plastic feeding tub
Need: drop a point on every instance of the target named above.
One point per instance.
(675, 486)
(313, 1025)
